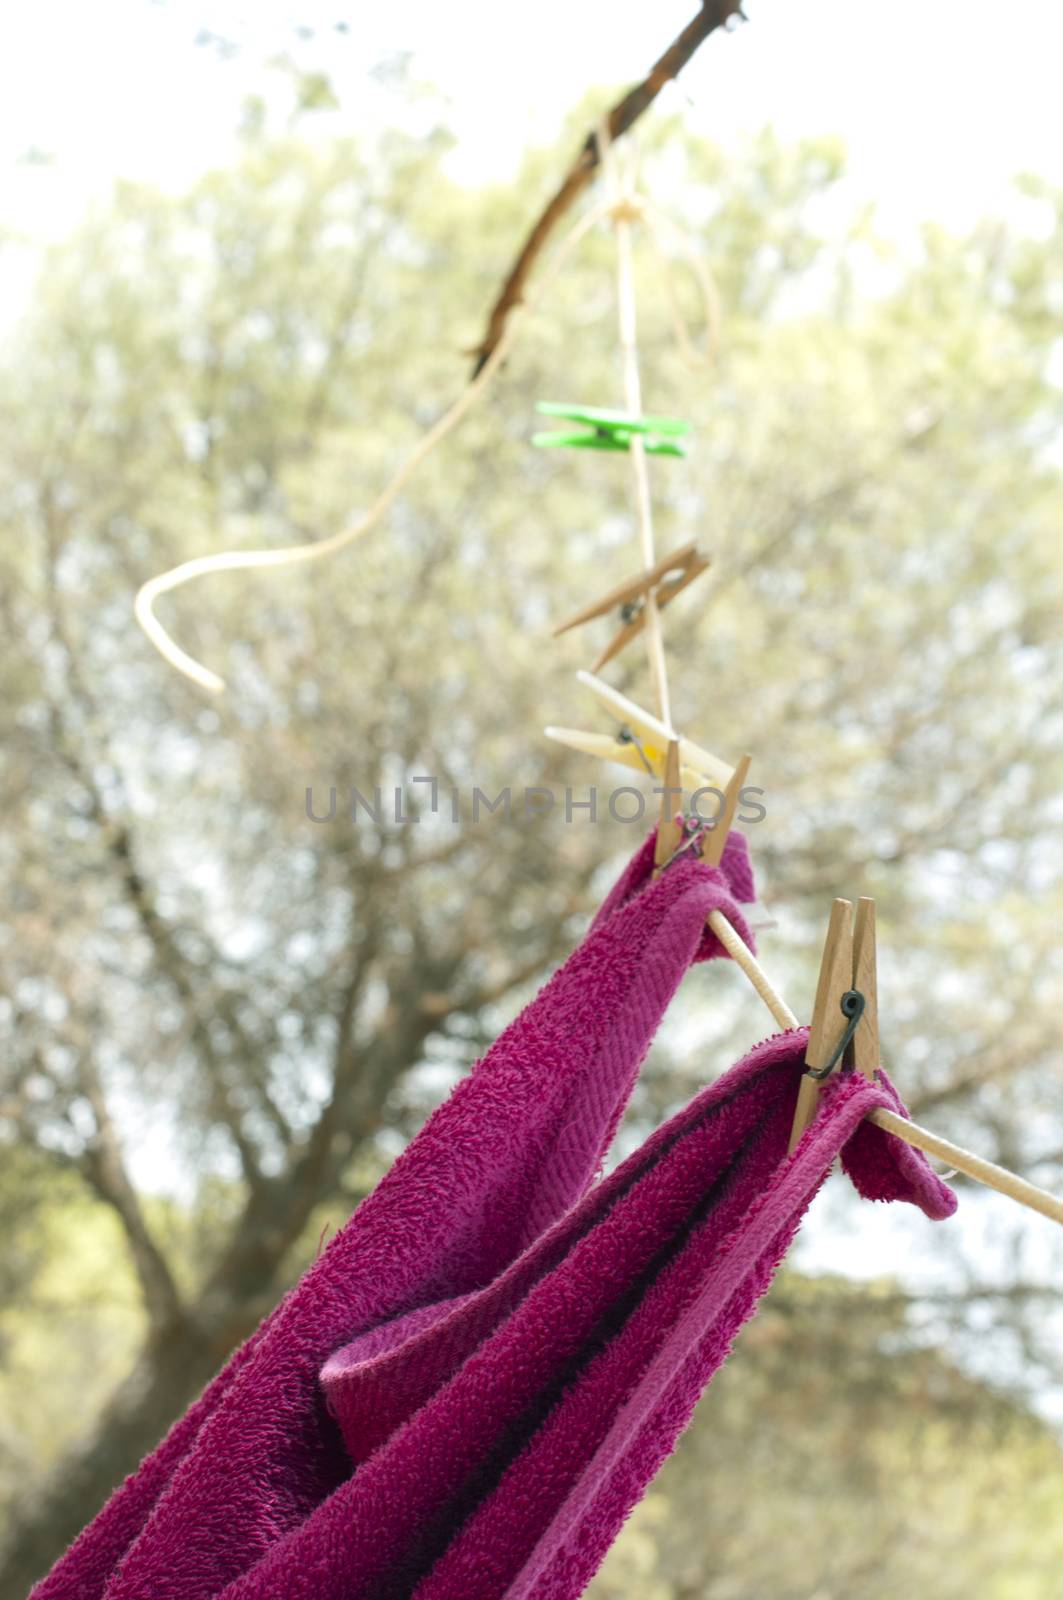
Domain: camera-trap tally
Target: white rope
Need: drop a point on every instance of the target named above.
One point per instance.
(316, 550)
(623, 205)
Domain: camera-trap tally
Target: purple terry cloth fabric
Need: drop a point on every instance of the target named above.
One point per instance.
(500, 1438)
(513, 1148)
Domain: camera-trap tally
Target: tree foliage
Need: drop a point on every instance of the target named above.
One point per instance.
(191, 967)
(824, 1466)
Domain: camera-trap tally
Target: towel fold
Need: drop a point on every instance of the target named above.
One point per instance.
(513, 1148)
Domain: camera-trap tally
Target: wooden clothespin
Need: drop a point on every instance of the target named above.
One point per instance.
(669, 830)
(669, 577)
(844, 1028)
(712, 850)
(717, 831)
(611, 430)
(683, 767)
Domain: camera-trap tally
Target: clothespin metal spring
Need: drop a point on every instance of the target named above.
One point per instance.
(852, 1005)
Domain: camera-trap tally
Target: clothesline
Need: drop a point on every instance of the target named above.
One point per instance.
(624, 208)
(987, 1172)
(317, 549)
(469, 1389)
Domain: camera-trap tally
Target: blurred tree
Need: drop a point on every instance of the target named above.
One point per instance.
(821, 1466)
(206, 993)
(70, 1316)
(190, 958)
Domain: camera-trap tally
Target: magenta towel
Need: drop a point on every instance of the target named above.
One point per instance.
(502, 1436)
(514, 1147)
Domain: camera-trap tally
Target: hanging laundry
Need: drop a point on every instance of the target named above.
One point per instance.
(500, 1439)
(514, 1147)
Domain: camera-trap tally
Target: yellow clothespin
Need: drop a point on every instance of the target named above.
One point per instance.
(622, 749)
(845, 1015)
(614, 747)
(669, 577)
(675, 760)
(654, 736)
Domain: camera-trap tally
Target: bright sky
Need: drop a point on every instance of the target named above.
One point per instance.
(940, 102)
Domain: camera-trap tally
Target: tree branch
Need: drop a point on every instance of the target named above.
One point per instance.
(104, 1169)
(118, 841)
(713, 14)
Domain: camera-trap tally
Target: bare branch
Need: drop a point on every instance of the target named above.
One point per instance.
(713, 14)
(104, 1169)
(117, 837)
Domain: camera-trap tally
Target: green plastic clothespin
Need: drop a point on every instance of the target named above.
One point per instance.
(611, 430)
